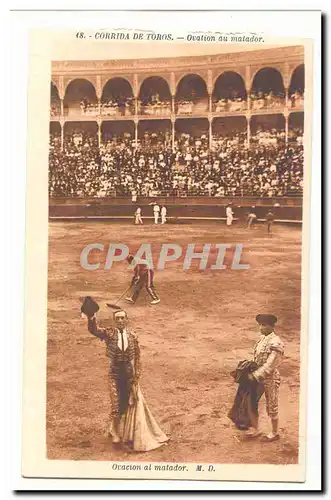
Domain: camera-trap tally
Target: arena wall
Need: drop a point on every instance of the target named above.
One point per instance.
(289, 209)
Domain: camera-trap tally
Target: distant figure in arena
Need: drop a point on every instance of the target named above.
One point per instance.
(163, 215)
(156, 213)
(229, 215)
(137, 216)
(250, 219)
(142, 277)
(270, 219)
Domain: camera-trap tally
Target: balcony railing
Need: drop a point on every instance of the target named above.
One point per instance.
(117, 111)
(159, 109)
(181, 109)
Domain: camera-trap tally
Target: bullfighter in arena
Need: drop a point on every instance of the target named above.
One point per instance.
(163, 214)
(137, 216)
(130, 420)
(143, 276)
(268, 352)
(156, 210)
(229, 215)
(270, 219)
(250, 219)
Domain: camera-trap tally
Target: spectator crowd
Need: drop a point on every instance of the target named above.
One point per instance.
(154, 105)
(268, 168)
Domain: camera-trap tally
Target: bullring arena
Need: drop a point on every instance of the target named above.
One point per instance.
(192, 134)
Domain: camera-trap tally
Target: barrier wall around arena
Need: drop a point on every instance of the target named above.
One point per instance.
(289, 209)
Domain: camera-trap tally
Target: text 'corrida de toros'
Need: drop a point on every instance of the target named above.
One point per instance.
(104, 35)
(152, 37)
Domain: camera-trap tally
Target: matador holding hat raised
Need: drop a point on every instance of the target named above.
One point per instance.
(130, 421)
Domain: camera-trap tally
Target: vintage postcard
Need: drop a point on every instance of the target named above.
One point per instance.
(167, 269)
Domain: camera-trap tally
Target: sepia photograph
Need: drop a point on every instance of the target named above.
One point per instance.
(174, 269)
(169, 174)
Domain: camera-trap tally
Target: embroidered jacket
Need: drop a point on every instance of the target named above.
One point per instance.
(268, 352)
(118, 347)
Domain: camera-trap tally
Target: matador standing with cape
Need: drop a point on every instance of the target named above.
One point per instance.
(130, 420)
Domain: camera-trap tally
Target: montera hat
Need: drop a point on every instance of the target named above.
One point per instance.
(266, 319)
(89, 307)
(115, 308)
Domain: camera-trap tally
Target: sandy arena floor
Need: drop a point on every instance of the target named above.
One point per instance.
(190, 342)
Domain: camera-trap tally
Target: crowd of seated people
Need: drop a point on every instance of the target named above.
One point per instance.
(153, 105)
(55, 142)
(192, 169)
(150, 141)
(231, 101)
(221, 141)
(296, 135)
(55, 109)
(296, 98)
(192, 104)
(119, 106)
(74, 170)
(265, 137)
(266, 170)
(267, 99)
(88, 108)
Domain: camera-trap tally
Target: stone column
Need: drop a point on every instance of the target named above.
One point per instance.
(61, 90)
(248, 85)
(173, 91)
(173, 121)
(210, 86)
(286, 127)
(210, 132)
(286, 97)
(62, 133)
(136, 122)
(98, 91)
(286, 80)
(248, 119)
(99, 133)
(135, 93)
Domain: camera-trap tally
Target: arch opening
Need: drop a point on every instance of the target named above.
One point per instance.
(154, 135)
(191, 135)
(117, 98)
(229, 93)
(55, 101)
(54, 136)
(81, 136)
(267, 89)
(191, 95)
(154, 97)
(119, 134)
(268, 130)
(229, 132)
(297, 87)
(80, 98)
(296, 127)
